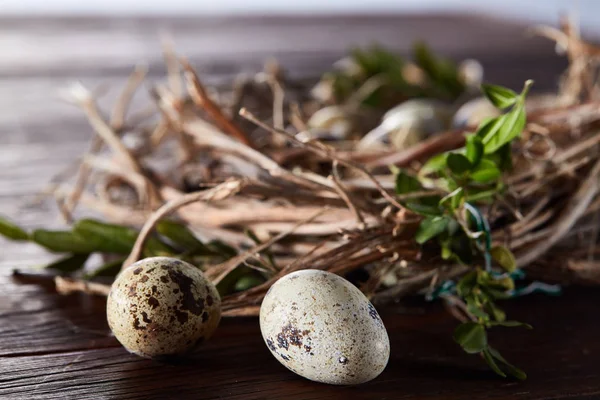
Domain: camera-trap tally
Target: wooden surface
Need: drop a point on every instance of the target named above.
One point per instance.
(58, 347)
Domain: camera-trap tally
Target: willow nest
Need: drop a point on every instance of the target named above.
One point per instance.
(272, 175)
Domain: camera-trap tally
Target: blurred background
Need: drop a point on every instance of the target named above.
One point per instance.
(533, 10)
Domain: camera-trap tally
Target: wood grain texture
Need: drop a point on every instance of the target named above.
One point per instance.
(59, 347)
(62, 353)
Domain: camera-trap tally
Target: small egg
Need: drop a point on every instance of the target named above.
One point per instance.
(162, 306)
(473, 112)
(408, 123)
(329, 122)
(323, 328)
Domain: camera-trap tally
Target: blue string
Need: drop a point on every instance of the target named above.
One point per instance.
(449, 286)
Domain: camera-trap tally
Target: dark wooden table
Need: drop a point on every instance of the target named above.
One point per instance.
(55, 346)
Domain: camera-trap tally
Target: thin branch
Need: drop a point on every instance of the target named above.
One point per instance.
(117, 119)
(66, 285)
(322, 150)
(219, 192)
(575, 208)
(201, 99)
(222, 270)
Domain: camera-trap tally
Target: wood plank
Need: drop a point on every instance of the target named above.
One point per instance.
(41, 356)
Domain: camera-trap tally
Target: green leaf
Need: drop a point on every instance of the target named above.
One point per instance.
(477, 311)
(458, 163)
(502, 157)
(248, 282)
(446, 252)
(12, 231)
(500, 96)
(111, 238)
(431, 227)
(454, 199)
(489, 359)
(508, 367)
(482, 195)
(474, 149)
(495, 293)
(441, 73)
(503, 283)
(62, 241)
(109, 269)
(222, 248)
(466, 284)
(511, 324)
(434, 164)
(512, 124)
(489, 128)
(423, 209)
(69, 264)
(485, 172)
(227, 284)
(181, 236)
(471, 336)
(106, 238)
(406, 183)
(497, 313)
(504, 257)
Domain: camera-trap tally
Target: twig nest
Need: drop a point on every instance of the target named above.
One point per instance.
(323, 328)
(407, 124)
(162, 306)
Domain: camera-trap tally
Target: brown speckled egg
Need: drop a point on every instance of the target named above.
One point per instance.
(162, 306)
(323, 328)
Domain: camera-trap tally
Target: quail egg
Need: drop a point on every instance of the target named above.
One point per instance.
(162, 306)
(474, 112)
(323, 328)
(407, 124)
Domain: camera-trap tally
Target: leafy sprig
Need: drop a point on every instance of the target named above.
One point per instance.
(473, 175)
(439, 77)
(172, 239)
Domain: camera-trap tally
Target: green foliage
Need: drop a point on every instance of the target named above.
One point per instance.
(500, 96)
(248, 282)
(69, 264)
(112, 238)
(89, 236)
(431, 227)
(12, 231)
(442, 80)
(471, 336)
(481, 289)
(504, 257)
(472, 174)
(181, 237)
(406, 183)
(62, 241)
(442, 74)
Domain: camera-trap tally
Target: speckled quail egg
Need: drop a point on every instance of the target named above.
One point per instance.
(323, 328)
(162, 306)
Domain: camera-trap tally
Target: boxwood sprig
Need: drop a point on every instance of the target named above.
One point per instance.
(471, 176)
